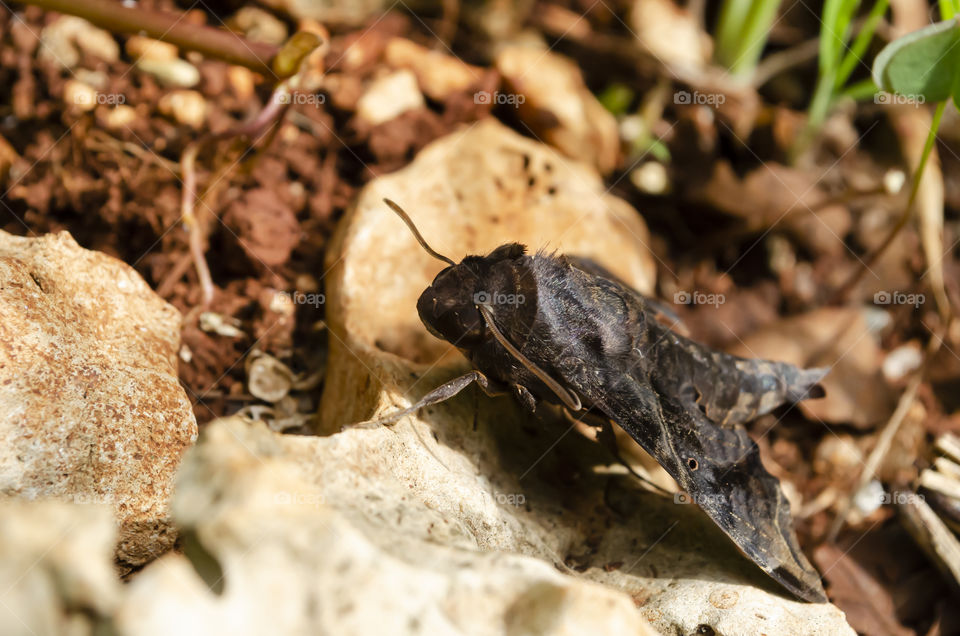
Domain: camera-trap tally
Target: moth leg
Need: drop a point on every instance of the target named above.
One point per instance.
(526, 398)
(608, 440)
(440, 394)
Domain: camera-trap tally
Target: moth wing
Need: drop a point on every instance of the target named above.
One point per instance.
(657, 309)
(720, 468)
(728, 389)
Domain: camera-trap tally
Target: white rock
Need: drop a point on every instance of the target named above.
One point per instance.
(67, 37)
(184, 107)
(56, 568)
(390, 96)
(292, 564)
(171, 72)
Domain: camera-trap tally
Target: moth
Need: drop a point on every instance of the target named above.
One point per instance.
(562, 329)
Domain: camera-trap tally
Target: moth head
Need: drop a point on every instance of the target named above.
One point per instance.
(449, 307)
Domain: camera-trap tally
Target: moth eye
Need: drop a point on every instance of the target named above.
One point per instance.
(692, 463)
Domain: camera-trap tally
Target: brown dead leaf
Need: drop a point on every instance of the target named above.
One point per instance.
(839, 338)
(868, 604)
(556, 105)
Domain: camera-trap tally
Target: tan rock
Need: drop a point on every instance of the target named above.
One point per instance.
(557, 106)
(64, 40)
(439, 74)
(116, 118)
(172, 72)
(184, 107)
(56, 568)
(293, 564)
(670, 33)
(138, 46)
(389, 96)
(79, 96)
(259, 25)
(91, 408)
(343, 12)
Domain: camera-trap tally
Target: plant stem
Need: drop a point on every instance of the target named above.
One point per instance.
(908, 211)
(819, 107)
(742, 33)
(861, 42)
(212, 42)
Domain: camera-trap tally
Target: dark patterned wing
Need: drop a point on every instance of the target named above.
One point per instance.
(683, 403)
(718, 466)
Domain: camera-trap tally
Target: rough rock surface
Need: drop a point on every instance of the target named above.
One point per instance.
(476, 474)
(279, 559)
(91, 409)
(56, 572)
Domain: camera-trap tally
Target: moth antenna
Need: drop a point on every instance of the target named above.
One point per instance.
(416, 233)
(570, 400)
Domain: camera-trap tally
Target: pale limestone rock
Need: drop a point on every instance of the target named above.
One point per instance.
(670, 33)
(64, 40)
(556, 105)
(91, 409)
(438, 73)
(390, 96)
(172, 72)
(56, 572)
(342, 12)
(292, 564)
(185, 107)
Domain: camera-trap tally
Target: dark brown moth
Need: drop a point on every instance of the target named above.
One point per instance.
(561, 329)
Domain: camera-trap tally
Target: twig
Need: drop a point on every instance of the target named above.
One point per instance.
(776, 63)
(212, 42)
(273, 111)
(880, 451)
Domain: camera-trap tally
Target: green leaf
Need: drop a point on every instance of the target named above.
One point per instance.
(924, 62)
(864, 89)
(834, 31)
(616, 98)
(948, 8)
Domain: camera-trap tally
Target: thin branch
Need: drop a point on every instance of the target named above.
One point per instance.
(169, 27)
